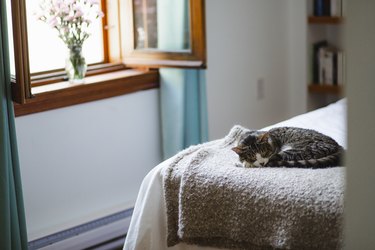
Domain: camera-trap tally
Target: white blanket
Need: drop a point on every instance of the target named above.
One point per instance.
(148, 229)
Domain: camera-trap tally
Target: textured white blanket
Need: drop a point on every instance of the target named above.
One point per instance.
(211, 202)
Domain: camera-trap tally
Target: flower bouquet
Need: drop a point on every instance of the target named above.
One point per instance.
(71, 19)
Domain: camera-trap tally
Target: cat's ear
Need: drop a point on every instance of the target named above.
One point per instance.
(265, 138)
(238, 149)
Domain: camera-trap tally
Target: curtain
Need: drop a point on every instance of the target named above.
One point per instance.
(183, 109)
(182, 91)
(12, 218)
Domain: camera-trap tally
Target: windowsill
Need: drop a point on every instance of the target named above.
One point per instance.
(62, 94)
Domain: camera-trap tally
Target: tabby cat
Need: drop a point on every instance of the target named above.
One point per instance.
(288, 147)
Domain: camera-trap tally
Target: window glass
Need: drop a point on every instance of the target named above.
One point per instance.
(10, 38)
(162, 25)
(175, 31)
(164, 33)
(48, 52)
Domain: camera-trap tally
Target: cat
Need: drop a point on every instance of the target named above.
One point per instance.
(288, 147)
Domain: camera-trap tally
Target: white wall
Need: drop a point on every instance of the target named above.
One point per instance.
(248, 41)
(360, 198)
(297, 56)
(87, 160)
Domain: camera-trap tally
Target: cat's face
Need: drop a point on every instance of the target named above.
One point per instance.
(255, 149)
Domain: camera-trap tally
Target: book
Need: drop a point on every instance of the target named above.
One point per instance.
(336, 8)
(331, 66)
(326, 7)
(315, 60)
(328, 63)
(340, 68)
(334, 68)
(318, 7)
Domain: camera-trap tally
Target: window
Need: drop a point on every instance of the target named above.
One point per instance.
(40, 50)
(160, 41)
(135, 38)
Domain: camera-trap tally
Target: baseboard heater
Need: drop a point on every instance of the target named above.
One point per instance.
(86, 235)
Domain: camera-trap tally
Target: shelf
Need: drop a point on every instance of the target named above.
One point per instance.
(328, 89)
(324, 20)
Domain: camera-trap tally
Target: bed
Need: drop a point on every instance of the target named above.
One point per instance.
(199, 199)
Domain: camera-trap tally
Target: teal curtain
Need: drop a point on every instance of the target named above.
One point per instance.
(12, 218)
(182, 91)
(183, 109)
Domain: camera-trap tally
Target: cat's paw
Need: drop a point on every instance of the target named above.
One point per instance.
(239, 165)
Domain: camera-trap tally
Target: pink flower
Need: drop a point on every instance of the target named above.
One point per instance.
(57, 2)
(64, 9)
(69, 18)
(39, 15)
(78, 14)
(100, 14)
(78, 11)
(92, 2)
(53, 22)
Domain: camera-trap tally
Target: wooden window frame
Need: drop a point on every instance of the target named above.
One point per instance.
(58, 75)
(194, 58)
(125, 70)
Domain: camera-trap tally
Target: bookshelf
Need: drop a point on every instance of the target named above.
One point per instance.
(325, 25)
(324, 20)
(325, 89)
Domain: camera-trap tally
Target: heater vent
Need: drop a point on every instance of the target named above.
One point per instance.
(88, 234)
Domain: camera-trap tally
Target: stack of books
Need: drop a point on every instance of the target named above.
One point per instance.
(328, 64)
(331, 8)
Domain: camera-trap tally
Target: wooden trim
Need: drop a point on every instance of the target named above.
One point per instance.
(324, 20)
(103, 4)
(199, 31)
(21, 86)
(113, 31)
(60, 75)
(325, 88)
(24, 81)
(194, 58)
(97, 87)
(141, 62)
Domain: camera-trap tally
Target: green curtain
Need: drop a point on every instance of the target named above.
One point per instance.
(12, 217)
(182, 91)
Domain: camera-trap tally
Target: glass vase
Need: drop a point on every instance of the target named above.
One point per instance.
(76, 66)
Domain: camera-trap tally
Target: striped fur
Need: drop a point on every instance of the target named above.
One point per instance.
(327, 161)
(289, 147)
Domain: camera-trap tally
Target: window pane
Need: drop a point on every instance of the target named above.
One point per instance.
(162, 24)
(48, 52)
(10, 38)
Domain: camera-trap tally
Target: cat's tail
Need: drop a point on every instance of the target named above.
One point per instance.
(333, 160)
